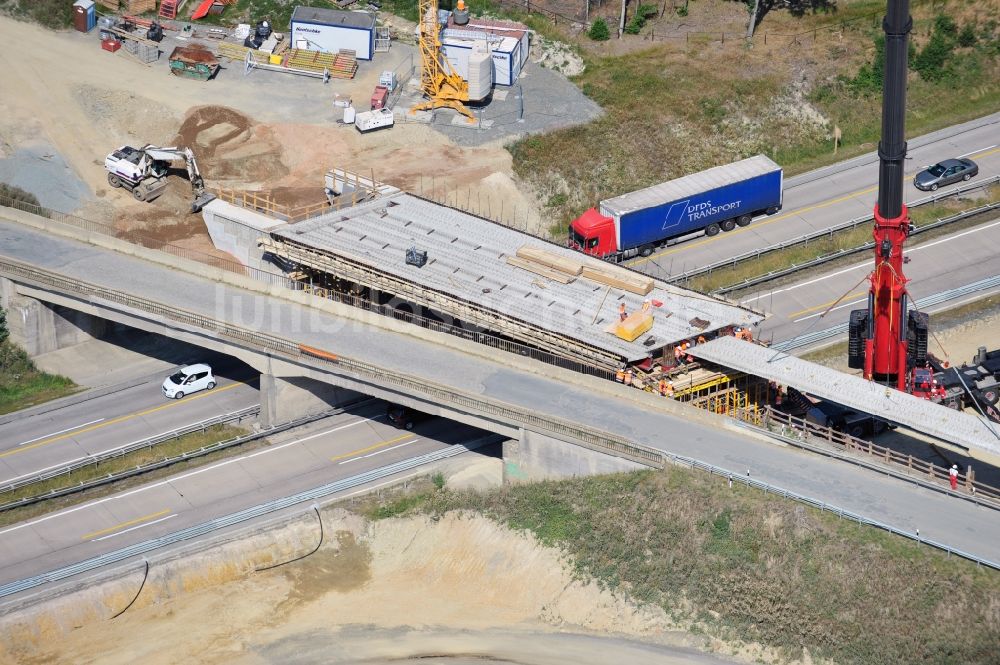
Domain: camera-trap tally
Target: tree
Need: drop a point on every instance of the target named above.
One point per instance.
(4, 331)
(599, 31)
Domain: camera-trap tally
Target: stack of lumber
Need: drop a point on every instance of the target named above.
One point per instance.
(617, 277)
(346, 64)
(313, 61)
(141, 6)
(109, 4)
(539, 269)
(168, 9)
(238, 52)
(550, 259)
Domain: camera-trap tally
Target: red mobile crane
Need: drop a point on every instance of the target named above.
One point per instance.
(885, 338)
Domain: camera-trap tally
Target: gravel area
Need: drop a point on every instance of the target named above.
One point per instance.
(37, 167)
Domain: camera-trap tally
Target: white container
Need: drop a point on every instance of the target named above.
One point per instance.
(349, 115)
(388, 79)
(480, 73)
(368, 121)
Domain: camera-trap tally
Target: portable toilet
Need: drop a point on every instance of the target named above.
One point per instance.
(84, 15)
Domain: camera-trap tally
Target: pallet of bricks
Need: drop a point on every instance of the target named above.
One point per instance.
(343, 65)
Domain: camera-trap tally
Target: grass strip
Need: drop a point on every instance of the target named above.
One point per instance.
(746, 567)
(23, 385)
(842, 240)
(166, 450)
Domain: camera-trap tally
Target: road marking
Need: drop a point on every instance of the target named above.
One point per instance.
(377, 452)
(801, 284)
(978, 150)
(116, 527)
(756, 225)
(174, 479)
(141, 526)
(62, 431)
(826, 304)
(119, 419)
(381, 444)
(846, 304)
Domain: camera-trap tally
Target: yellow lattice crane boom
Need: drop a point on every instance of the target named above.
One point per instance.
(440, 83)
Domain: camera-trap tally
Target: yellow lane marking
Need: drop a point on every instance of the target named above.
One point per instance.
(826, 304)
(122, 525)
(119, 419)
(370, 448)
(771, 220)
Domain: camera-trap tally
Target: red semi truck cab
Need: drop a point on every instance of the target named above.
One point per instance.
(593, 233)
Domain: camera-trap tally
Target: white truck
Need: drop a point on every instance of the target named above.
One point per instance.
(369, 121)
(143, 171)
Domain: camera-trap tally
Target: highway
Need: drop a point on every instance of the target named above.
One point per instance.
(935, 265)
(334, 448)
(50, 439)
(831, 195)
(548, 393)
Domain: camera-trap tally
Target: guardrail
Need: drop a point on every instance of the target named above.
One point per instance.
(820, 260)
(90, 460)
(183, 457)
(823, 233)
(923, 303)
(267, 343)
(232, 519)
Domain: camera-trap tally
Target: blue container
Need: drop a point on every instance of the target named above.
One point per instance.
(84, 15)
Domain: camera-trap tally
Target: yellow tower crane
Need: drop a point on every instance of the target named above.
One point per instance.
(440, 83)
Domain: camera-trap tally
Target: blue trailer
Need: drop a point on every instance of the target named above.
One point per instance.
(718, 199)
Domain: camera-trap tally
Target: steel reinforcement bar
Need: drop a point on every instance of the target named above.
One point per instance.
(823, 233)
(252, 339)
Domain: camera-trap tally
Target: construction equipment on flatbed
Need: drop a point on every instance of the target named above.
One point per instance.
(143, 171)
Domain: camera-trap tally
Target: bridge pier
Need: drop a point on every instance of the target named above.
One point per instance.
(40, 327)
(537, 456)
(283, 399)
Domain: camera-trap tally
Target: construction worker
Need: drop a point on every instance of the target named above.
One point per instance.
(701, 340)
(670, 388)
(677, 354)
(663, 387)
(628, 377)
(646, 304)
(953, 476)
(622, 314)
(620, 375)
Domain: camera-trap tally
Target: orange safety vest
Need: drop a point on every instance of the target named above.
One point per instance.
(620, 376)
(663, 387)
(628, 378)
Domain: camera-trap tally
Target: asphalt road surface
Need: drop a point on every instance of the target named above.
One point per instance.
(40, 442)
(334, 448)
(822, 301)
(830, 196)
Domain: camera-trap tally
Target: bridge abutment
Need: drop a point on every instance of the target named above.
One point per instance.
(40, 327)
(283, 399)
(537, 456)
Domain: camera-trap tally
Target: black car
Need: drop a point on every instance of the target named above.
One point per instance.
(403, 417)
(945, 173)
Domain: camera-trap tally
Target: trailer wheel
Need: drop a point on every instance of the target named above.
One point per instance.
(728, 225)
(114, 180)
(712, 230)
(744, 220)
(645, 250)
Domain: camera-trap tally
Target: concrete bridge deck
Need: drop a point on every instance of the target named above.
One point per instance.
(524, 393)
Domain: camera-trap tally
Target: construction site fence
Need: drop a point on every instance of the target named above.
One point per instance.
(826, 234)
(263, 203)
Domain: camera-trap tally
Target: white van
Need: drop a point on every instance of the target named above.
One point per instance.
(188, 380)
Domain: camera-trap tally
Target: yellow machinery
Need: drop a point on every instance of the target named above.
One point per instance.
(442, 86)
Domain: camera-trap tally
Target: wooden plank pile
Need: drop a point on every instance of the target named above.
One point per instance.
(109, 4)
(346, 64)
(539, 269)
(604, 273)
(238, 53)
(168, 9)
(141, 6)
(313, 61)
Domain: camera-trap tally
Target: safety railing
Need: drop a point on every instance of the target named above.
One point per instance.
(274, 344)
(823, 233)
(91, 460)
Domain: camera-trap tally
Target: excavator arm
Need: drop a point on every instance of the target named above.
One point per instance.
(172, 154)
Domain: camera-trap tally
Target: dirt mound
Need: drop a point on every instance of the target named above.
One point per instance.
(232, 150)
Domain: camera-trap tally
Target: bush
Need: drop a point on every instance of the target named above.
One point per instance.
(869, 77)
(967, 37)
(599, 31)
(4, 331)
(50, 13)
(945, 25)
(642, 14)
(10, 193)
(931, 62)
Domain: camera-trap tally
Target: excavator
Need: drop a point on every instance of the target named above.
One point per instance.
(143, 171)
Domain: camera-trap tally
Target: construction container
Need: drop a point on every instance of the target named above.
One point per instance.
(84, 15)
(368, 121)
(333, 30)
(379, 97)
(193, 63)
(388, 79)
(110, 44)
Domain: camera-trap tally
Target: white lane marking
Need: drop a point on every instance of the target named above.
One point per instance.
(918, 248)
(978, 150)
(847, 304)
(138, 526)
(377, 452)
(62, 431)
(161, 483)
